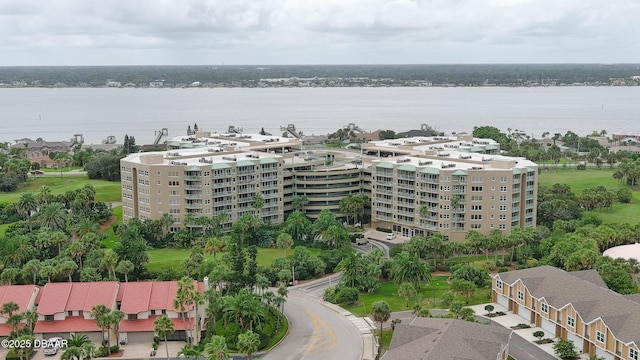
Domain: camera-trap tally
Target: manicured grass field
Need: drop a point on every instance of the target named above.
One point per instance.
(107, 191)
(388, 291)
(172, 257)
(583, 179)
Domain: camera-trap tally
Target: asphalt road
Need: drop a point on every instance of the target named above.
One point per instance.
(315, 331)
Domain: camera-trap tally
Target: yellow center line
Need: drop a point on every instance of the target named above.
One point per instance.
(323, 339)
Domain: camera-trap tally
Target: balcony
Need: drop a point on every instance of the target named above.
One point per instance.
(193, 196)
(193, 177)
(193, 206)
(193, 187)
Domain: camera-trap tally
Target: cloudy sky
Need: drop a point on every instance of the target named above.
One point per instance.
(193, 32)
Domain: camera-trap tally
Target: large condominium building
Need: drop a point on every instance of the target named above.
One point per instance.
(417, 185)
(450, 187)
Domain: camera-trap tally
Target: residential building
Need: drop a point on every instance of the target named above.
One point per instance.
(576, 306)
(143, 302)
(65, 308)
(22, 295)
(448, 339)
(417, 185)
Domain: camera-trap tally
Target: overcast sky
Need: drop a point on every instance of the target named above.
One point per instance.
(194, 32)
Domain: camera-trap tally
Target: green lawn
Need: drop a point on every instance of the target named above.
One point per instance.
(172, 257)
(388, 291)
(111, 239)
(583, 179)
(107, 191)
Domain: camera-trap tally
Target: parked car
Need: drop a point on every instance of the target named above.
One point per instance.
(391, 236)
(37, 172)
(53, 345)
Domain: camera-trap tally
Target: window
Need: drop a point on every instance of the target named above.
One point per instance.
(571, 321)
(499, 284)
(503, 198)
(174, 183)
(476, 207)
(503, 207)
(132, 317)
(476, 188)
(503, 189)
(476, 226)
(502, 227)
(633, 354)
(503, 179)
(545, 308)
(600, 336)
(48, 318)
(445, 188)
(520, 295)
(503, 217)
(476, 216)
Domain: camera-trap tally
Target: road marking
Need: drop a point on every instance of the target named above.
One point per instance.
(323, 339)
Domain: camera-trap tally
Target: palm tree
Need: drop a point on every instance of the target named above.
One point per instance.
(14, 322)
(84, 226)
(59, 238)
(335, 236)
(163, 326)
(297, 225)
(115, 318)
(67, 268)
(76, 250)
(284, 293)
(299, 202)
(88, 351)
(125, 267)
(249, 343)
(284, 241)
(99, 312)
(216, 348)
(9, 308)
(31, 269)
(406, 290)
(27, 204)
(409, 268)
(216, 245)
(31, 318)
(109, 262)
(52, 215)
(44, 194)
(381, 312)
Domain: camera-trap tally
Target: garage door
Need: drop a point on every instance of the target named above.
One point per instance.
(548, 326)
(577, 341)
(138, 337)
(62, 335)
(603, 354)
(94, 336)
(504, 301)
(524, 313)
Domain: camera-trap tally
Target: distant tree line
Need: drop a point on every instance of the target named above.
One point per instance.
(466, 75)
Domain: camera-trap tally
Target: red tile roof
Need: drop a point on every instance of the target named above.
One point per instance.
(19, 294)
(137, 297)
(147, 324)
(70, 324)
(61, 297)
(5, 329)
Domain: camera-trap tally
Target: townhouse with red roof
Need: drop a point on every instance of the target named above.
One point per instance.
(143, 302)
(64, 309)
(23, 295)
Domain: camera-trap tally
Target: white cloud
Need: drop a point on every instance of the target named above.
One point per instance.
(60, 32)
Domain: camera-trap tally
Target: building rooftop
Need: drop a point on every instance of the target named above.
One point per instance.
(446, 339)
(62, 297)
(560, 288)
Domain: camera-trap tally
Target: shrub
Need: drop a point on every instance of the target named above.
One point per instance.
(489, 308)
(114, 349)
(503, 269)
(102, 352)
(539, 334)
(384, 230)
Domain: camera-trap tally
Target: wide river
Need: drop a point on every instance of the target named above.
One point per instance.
(57, 114)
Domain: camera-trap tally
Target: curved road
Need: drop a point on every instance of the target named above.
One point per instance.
(315, 331)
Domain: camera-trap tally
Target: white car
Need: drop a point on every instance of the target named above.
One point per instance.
(53, 345)
(391, 236)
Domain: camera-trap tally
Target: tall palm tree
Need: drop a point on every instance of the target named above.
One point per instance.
(31, 318)
(98, 312)
(284, 241)
(52, 216)
(163, 326)
(109, 262)
(76, 250)
(216, 348)
(44, 194)
(381, 312)
(31, 269)
(27, 204)
(125, 267)
(67, 268)
(249, 343)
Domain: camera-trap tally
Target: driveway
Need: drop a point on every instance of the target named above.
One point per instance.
(141, 350)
